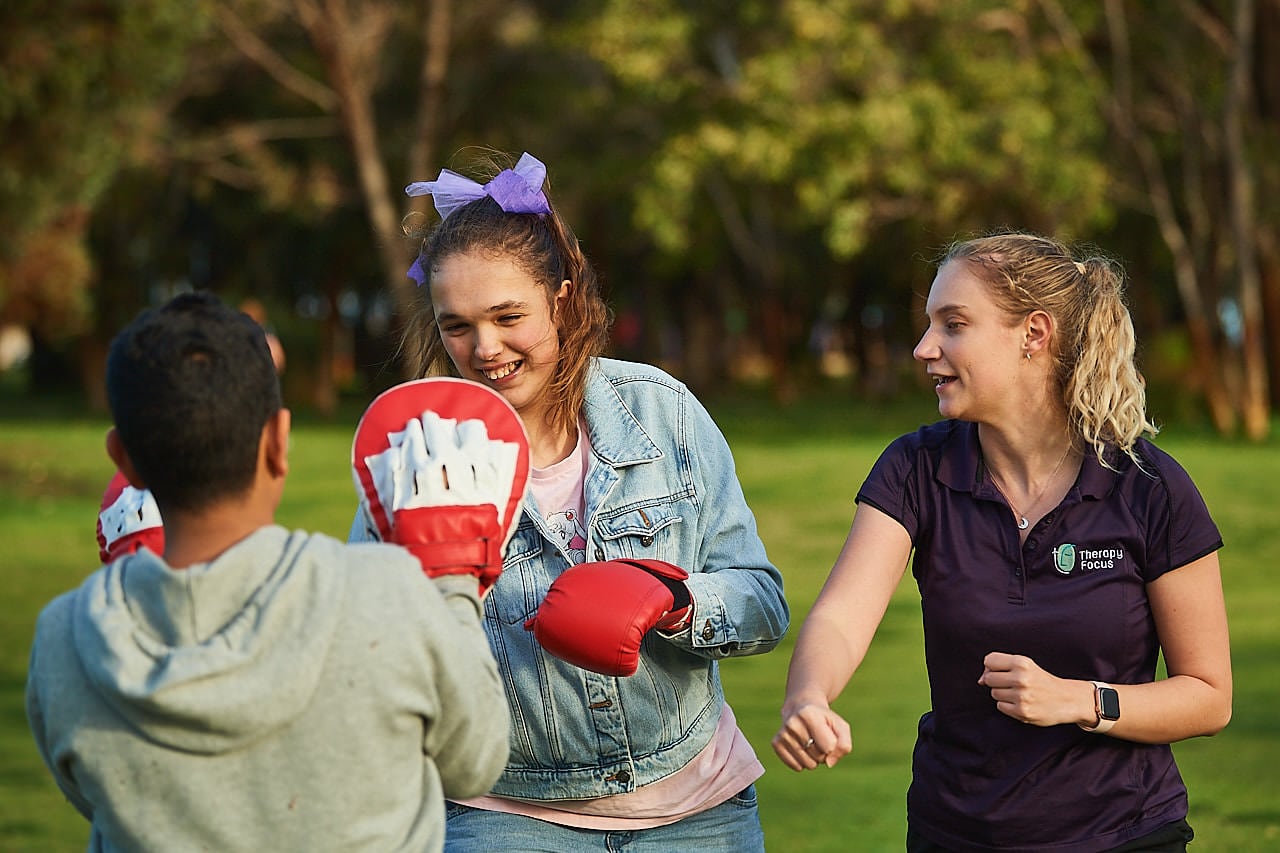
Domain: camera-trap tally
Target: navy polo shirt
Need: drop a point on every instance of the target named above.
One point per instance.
(1073, 598)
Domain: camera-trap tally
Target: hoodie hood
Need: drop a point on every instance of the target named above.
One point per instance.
(214, 656)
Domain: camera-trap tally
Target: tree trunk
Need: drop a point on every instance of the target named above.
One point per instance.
(437, 37)
(1255, 409)
(324, 386)
(1266, 79)
(349, 67)
(702, 336)
(1269, 275)
(1120, 113)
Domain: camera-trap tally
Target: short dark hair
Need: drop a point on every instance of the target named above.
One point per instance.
(191, 385)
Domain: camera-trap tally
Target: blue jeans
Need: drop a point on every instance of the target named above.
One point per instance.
(731, 827)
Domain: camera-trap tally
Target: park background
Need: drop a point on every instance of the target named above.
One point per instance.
(761, 183)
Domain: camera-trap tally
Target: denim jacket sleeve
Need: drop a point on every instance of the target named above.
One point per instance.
(738, 603)
(361, 531)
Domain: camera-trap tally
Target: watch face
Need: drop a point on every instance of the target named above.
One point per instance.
(1108, 703)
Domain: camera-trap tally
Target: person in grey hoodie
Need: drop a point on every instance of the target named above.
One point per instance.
(253, 688)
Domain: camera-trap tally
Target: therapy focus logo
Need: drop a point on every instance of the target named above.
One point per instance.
(1067, 558)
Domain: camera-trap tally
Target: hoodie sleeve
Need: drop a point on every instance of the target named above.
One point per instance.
(468, 739)
(53, 630)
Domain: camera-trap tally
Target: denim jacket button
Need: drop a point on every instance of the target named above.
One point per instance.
(599, 555)
(646, 541)
(707, 631)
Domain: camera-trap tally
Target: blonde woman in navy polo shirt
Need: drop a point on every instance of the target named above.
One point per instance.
(1057, 552)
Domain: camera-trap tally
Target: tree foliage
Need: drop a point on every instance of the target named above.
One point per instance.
(78, 95)
(861, 112)
(789, 120)
(753, 177)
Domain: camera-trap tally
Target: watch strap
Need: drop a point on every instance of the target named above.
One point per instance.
(1104, 724)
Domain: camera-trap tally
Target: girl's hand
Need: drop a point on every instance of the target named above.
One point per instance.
(811, 735)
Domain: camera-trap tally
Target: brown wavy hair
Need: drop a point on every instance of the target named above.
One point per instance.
(541, 245)
(1094, 344)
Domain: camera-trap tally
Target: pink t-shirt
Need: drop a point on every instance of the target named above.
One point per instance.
(558, 492)
(725, 766)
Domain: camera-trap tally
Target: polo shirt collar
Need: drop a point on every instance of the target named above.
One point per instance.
(960, 465)
(1096, 480)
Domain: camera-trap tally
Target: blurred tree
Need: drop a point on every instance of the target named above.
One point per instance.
(757, 180)
(1265, 138)
(77, 97)
(785, 121)
(300, 123)
(1178, 94)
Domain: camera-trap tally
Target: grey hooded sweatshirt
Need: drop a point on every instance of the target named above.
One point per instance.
(296, 693)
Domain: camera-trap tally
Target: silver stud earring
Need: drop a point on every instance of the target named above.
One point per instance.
(1028, 355)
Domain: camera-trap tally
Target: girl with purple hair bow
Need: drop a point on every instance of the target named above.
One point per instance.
(517, 190)
(629, 470)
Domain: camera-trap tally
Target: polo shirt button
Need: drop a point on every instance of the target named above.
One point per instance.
(1049, 518)
(1032, 543)
(646, 541)
(1017, 573)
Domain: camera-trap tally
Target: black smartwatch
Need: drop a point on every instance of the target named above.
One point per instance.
(1106, 704)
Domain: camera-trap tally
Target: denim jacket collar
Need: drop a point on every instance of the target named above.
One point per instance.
(616, 436)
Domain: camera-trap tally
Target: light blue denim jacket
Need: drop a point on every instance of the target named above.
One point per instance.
(660, 485)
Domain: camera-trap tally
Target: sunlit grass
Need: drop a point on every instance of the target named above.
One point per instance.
(800, 469)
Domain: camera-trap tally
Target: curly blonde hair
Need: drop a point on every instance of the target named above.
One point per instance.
(544, 247)
(1094, 345)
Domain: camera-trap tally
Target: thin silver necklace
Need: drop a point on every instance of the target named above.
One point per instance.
(1023, 524)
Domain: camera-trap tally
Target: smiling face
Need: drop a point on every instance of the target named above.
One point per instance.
(498, 327)
(973, 350)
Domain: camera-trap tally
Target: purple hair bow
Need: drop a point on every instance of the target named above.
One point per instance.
(517, 190)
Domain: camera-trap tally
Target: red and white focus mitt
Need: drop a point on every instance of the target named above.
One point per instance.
(595, 615)
(441, 466)
(128, 520)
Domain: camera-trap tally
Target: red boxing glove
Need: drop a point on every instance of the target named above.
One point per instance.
(128, 519)
(441, 466)
(595, 615)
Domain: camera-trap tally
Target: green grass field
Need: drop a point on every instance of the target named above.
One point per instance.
(800, 469)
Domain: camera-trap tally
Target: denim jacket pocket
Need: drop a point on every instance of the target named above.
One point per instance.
(650, 532)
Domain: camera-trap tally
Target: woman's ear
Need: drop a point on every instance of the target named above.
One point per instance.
(1037, 332)
(120, 456)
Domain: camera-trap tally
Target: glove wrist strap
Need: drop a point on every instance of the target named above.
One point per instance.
(464, 557)
(676, 621)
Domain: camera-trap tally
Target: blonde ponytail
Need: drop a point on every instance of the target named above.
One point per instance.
(1104, 392)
